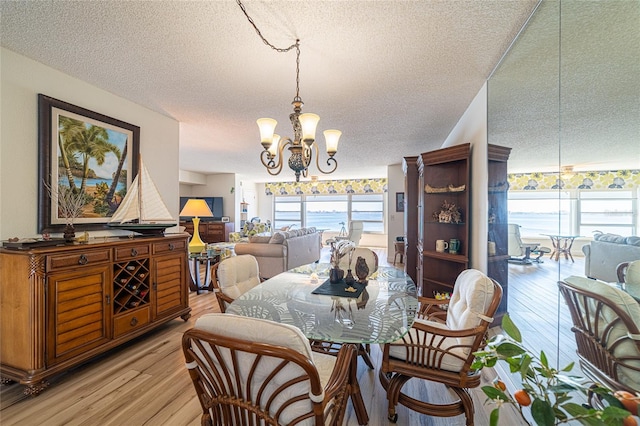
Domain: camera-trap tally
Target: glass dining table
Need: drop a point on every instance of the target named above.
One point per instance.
(382, 313)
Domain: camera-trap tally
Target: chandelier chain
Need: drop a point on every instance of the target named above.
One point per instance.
(296, 45)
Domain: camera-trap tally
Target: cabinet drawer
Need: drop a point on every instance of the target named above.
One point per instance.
(77, 258)
(130, 321)
(130, 252)
(170, 246)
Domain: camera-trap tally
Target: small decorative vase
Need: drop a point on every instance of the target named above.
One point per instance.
(69, 232)
(349, 278)
(335, 275)
(362, 270)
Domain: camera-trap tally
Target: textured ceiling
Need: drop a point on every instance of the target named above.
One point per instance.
(394, 76)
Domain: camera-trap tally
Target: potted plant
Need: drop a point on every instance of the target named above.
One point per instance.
(546, 391)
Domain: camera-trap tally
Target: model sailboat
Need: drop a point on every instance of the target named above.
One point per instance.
(142, 209)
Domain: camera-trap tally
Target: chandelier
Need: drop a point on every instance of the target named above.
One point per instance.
(303, 146)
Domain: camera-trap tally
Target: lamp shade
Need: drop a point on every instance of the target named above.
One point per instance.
(332, 137)
(267, 126)
(308, 123)
(273, 149)
(196, 208)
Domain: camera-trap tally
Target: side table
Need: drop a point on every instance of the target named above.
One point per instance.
(195, 260)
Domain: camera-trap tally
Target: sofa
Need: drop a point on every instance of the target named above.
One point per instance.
(606, 252)
(283, 250)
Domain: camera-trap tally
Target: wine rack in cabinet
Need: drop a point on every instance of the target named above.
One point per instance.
(131, 285)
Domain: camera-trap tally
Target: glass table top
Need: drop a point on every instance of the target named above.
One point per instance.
(384, 312)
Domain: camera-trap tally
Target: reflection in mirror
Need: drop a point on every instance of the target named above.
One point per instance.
(566, 99)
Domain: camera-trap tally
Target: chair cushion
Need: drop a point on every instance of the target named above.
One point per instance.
(256, 330)
(237, 275)
(628, 305)
(472, 295)
(632, 275)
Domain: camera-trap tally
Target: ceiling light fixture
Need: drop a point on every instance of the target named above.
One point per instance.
(303, 145)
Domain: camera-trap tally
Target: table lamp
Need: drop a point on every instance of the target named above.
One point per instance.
(197, 209)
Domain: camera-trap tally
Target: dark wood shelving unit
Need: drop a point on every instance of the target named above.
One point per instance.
(497, 265)
(443, 168)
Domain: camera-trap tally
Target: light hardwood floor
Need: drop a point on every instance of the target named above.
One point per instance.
(145, 382)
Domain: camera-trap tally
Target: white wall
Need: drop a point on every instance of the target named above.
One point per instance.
(21, 80)
(472, 128)
(395, 220)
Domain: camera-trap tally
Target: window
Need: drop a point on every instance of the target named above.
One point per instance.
(287, 211)
(330, 212)
(370, 209)
(576, 212)
(326, 211)
(606, 211)
(540, 212)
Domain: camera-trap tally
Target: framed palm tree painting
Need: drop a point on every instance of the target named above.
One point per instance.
(86, 164)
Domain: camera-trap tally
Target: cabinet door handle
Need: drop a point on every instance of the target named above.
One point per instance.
(133, 322)
(134, 252)
(83, 260)
(171, 246)
(108, 299)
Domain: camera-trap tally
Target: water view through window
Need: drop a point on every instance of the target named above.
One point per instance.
(330, 212)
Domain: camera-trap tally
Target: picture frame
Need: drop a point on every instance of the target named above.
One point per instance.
(107, 148)
(399, 201)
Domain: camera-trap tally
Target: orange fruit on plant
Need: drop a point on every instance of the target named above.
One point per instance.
(628, 400)
(629, 421)
(522, 397)
(499, 384)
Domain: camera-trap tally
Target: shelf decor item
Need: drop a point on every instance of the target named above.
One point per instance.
(449, 213)
(339, 249)
(362, 270)
(70, 206)
(142, 209)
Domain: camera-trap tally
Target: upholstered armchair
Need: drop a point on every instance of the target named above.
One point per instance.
(606, 325)
(440, 345)
(253, 371)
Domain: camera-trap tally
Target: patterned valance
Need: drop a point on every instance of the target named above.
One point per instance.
(597, 180)
(346, 186)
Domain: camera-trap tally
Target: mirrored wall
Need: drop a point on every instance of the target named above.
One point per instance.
(566, 99)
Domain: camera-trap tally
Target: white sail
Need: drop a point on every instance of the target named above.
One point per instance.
(142, 202)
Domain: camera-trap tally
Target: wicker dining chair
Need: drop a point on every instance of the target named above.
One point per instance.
(234, 276)
(440, 345)
(249, 371)
(629, 272)
(606, 323)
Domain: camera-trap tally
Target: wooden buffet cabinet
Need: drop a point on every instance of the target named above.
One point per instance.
(63, 305)
(211, 232)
